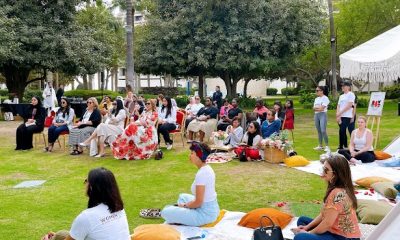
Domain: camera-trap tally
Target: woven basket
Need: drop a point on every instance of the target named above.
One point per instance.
(274, 155)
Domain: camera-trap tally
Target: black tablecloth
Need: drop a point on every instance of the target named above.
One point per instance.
(79, 108)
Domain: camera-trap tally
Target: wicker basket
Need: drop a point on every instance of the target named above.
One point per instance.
(274, 155)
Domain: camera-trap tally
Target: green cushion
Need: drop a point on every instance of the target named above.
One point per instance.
(372, 212)
(386, 189)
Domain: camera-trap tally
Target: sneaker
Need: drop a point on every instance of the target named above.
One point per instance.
(169, 146)
(319, 148)
(327, 149)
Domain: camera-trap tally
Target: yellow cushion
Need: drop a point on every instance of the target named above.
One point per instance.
(296, 161)
(368, 181)
(252, 219)
(155, 232)
(381, 155)
(219, 218)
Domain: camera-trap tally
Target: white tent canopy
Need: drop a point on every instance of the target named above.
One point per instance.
(377, 60)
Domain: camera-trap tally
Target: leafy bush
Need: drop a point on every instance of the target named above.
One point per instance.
(290, 91)
(392, 92)
(182, 91)
(182, 100)
(272, 91)
(362, 103)
(29, 93)
(166, 91)
(4, 92)
(85, 94)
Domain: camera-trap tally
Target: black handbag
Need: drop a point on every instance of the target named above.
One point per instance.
(272, 232)
(158, 154)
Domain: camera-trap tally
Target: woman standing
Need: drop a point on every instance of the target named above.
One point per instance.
(235, 133)
(321, 103)
(166, 121)
(139, 139)
(33, 123)
(344, 113)
(338, 219)
(288, 123)
(200, 207)
(360, 148)
(105, 217)
(85, 127)
(62, 122)
(108, 131)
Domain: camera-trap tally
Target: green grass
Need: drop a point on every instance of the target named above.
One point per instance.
(29, 213)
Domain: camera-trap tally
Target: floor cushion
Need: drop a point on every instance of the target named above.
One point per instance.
(372, 212)
(367, 181)
(219, 218)
(155, 232)
(381, 155)
(386, 189)
(252, 219)
(296, 161)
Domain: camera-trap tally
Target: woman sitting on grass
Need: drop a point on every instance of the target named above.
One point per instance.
(235, 133)
(338, 219)
(360, 148)
(250, 142)
(201, 207)
(105, 217)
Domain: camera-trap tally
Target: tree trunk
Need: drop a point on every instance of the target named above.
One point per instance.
(246, 82)
(129, 46)
(85, 82)
(115, 74)
(148, 80)
(16, 81)
(333, 48)
(90, 83)
(201, 85)
(228, 84)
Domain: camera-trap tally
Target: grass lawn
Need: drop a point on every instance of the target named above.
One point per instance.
(29, 213)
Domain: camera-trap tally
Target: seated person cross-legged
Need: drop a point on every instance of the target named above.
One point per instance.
(337, 219)
(360, 148)
(205, 121)
(271, 125)
(250, 143)
(200, 207)
(235, 133)
(226, 120)
(108, 131)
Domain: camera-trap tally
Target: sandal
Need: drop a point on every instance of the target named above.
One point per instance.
(76, 152)
(46, 149)
(150, 213)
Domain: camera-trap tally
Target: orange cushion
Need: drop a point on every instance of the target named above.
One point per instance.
(381, 155)
(252, 219)
(368, 181)
(219, 218)
(155, 232)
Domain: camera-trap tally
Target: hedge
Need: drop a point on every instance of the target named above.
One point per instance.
(272, 91)
(290, 91)
(166, 91)
(392, 92)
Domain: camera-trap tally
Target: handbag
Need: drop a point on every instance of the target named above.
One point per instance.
(272, 232)
(8, 116)
(158, 154)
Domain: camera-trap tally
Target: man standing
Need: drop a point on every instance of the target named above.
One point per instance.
(217, 97)
(60, 93)
(344, 113)
(49, 97)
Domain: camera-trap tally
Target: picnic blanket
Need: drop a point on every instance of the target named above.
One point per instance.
(228, 229)
(359, 171)
(220, 157)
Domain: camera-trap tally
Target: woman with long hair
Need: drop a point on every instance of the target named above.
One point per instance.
(62, 122)
(200, 207)
(235, 133)
(226, 120)
(166, 121)
(139, 139)
(105, 217)
(33, 117)
(85, 127)
(251, 141)
(108, 131)
(321, 103)
(338, 219)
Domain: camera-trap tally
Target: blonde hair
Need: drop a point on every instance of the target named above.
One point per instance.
(95, 102)
(153, 104)
(363, 118)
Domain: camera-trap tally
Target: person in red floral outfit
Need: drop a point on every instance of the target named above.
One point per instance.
(139, 139)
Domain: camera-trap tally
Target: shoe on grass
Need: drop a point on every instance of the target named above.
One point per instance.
(319, 148)
(169, 146)
(327, 149)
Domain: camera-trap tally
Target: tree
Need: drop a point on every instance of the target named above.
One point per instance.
(43, 35)
(232, 39)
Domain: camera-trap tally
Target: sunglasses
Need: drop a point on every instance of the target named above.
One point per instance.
(114, 104)
(88, 102)
(147, 103)
(63, 102)
(325, 170)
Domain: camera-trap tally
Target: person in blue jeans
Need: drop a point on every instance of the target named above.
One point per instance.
(63, 121)
(338, 219)
(201, 207)
(271, 125)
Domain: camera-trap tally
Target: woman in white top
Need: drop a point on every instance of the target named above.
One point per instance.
(166, 121)
(108, 131)
(252, 139)
(235, 133)
(321, 103)
(62, 122)
(360, 148)
(192, 109)
(344, 113)
(105, 217)
(200, 207)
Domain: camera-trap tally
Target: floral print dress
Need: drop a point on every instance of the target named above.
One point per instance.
(137, 141)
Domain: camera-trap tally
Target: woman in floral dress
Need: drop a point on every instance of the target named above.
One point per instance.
(139, 139)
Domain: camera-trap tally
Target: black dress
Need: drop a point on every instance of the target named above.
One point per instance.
(24, 134)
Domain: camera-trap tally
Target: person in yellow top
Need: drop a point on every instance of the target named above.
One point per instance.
(338, 219)
(105, 105)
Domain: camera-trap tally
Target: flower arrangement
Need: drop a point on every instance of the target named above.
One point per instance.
(279, 141)
(219, 137)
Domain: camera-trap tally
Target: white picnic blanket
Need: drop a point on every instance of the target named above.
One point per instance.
(359, 171)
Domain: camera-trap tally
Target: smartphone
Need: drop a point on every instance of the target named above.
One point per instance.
(105, 106)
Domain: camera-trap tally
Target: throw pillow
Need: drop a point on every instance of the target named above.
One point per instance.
(252, 219)
(219, 218)
(386, 189)
(367, 181)
(372, 212)
(381, 155)
(296, 161)
(155, 232)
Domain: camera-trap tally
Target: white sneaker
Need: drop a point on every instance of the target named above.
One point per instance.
(319, 148)
(327, 149)
(169, 146)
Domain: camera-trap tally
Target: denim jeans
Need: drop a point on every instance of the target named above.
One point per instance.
(54, 132)
(320, 120)
(303, 221)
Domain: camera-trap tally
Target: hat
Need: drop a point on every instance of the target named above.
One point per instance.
(346, 83)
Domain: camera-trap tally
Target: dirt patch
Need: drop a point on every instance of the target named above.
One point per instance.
(7, 128)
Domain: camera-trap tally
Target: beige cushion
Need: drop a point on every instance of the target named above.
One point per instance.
(155, 232)
(386, 189)
(372, 212)
(367, 181)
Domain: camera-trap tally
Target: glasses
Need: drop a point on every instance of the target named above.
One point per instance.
(250, 126)
(114, 104)
(318, 90)
(89, 102)
(63, 102)
(326, 170)
(147, 103)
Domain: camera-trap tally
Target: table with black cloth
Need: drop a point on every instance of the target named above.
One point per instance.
(16, 109)
(79, 108)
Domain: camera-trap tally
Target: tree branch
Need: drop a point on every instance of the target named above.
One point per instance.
(35, 79)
